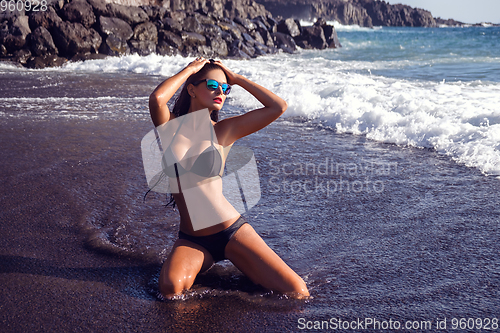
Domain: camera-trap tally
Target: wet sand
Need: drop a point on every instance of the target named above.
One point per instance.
(51, 277)
(423, 249)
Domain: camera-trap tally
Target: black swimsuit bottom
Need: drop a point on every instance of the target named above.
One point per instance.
(216, 244)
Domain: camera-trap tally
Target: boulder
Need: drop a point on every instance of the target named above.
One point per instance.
(22, 56)
(3, 51)
(48, 60)
(171, 24)
(41, 42)
(142, 47)
(115, 26)
(79, 11)
(155, 13)
(289, 27)
(170, 38)
(146, 31)
(331, 36)
(246, 49)
(165, 49)
(284, 42)
(260, 23)
(231, 28)
(248, 39)
(47, 19)
(257, 37)
(246, 23)
(131, 15)
(212, 31)
(312, 37)
(73, 38)
(99, 6)
(114, 46)
(145, 39)
(13, 34)
(192, 24)
(192, 38)
(219, 47)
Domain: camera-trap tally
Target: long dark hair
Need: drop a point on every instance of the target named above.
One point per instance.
(183, 101)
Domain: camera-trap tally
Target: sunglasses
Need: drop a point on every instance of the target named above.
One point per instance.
(214, 85)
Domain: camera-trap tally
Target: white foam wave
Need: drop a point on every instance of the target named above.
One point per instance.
(85, 108)
(459, 119)
(340, 27)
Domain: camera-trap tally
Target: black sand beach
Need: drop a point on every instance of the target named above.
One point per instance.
(81, 251)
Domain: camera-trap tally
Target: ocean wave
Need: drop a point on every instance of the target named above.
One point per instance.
(458, 119)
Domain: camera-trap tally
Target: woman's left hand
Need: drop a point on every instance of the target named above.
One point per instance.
(232, 77)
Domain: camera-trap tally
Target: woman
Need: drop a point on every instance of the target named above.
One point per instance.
(207, 84)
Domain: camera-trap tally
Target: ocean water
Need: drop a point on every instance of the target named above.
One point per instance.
(379, 184)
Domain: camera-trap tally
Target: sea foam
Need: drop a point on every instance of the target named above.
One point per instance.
(458, 119)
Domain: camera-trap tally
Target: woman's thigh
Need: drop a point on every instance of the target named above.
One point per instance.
(183, 264)
(251, 255)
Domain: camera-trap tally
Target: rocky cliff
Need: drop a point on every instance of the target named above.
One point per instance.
(89, 29)
(366, 13)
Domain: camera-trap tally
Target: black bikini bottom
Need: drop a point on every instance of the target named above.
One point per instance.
(215, 244)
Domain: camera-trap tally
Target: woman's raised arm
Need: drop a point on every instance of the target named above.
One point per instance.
(250, 122)
(158, 99)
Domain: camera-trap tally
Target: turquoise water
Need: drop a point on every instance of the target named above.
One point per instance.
(453, 54)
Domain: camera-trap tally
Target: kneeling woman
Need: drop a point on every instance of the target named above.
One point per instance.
(206, 85)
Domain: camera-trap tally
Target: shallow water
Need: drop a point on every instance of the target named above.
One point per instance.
(375, 229)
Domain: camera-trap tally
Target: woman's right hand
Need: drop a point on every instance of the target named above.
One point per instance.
(197, 64)
(165, 91)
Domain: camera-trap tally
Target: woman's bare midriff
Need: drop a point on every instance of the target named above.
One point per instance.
(187, 227)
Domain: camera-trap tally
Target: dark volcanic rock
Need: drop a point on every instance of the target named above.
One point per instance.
(99, 7)
(170, 38)
(284, 42)
(312, 37)
(171, 24)
(331, 36)
(13, 34)
(115, 26)
(383, 14)
(145, 39)
(146, 31)
(47, 19)
(91, 29)
(131, 15)
(73, 38)
(41, 42)
(365, 13)
(79, 11)
(219, 47)
(22, 56)
(46, 61)
(155, 13)
(114, 46)
(289, 27)
(142, 47)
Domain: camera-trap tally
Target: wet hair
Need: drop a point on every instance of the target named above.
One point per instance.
(183, 101)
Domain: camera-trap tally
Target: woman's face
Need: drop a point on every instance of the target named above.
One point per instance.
(202, 97)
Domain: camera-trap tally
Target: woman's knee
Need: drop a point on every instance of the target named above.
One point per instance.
(170, 285)
(299, 287)
(173, 281)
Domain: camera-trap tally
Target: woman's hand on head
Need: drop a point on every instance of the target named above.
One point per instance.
(197, 64)
(231, 76)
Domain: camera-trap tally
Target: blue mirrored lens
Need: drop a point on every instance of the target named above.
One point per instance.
(213, 85)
